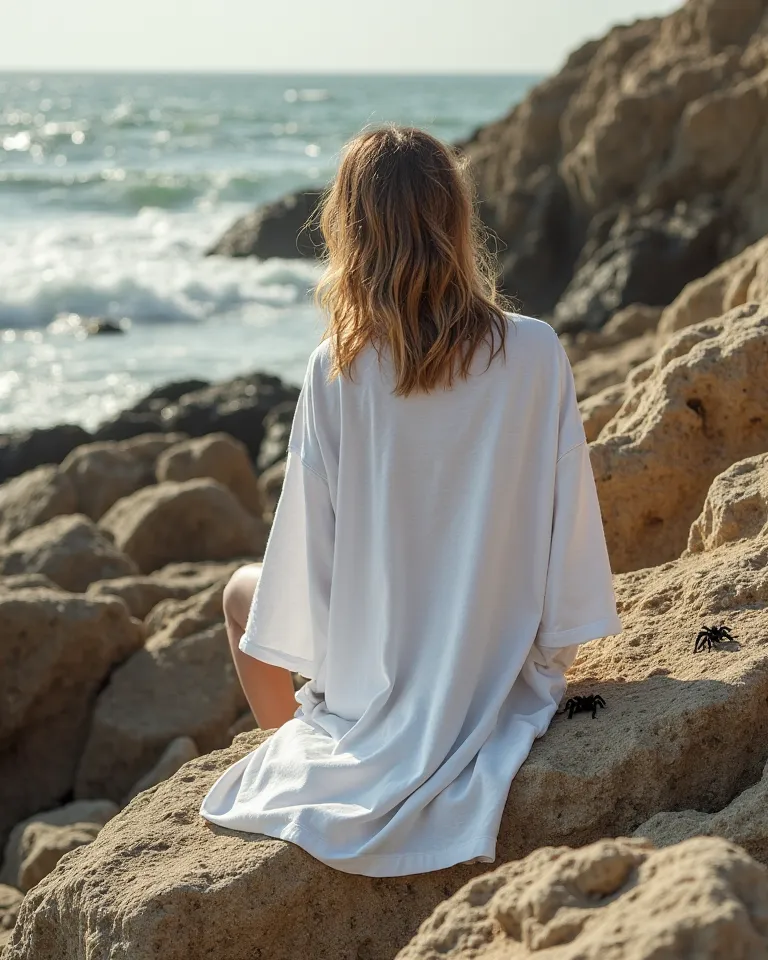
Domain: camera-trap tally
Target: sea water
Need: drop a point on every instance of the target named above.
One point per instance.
(113, 186)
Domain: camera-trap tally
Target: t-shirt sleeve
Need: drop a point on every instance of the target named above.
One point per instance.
(579, 602)
(288, 621)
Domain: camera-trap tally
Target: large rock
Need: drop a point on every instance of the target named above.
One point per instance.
(181, 684)
(174, 582)
(740, 280)
(679, 730)
(701, 900)
(600, 409)
(103, 473)
(736, 506)
(27, 449)
(57, 651)
(591, 216)
(701, 407)
(195, 520)
(159, 881)
(219, 457)
(195, 407)
(176, 754)
(37, 844)
(32, 498)
(275, 230)
(70, 550)
(743, 821)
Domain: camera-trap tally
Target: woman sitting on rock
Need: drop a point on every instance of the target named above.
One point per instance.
(437, 554)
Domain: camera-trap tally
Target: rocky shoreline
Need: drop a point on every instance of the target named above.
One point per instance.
(638, 834)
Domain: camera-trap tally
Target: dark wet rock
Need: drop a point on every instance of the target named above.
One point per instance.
(277, 431)
(27, 449)
(275, 230)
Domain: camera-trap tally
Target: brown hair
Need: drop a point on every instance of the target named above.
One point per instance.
(407, 267)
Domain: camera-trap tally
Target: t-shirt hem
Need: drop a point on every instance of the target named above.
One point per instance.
(607, 627)
(276, 658)
(477, 849)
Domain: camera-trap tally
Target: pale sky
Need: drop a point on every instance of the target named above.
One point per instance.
(336, 36)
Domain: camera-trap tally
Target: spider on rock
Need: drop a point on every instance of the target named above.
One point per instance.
(712, 637)
(584, 705)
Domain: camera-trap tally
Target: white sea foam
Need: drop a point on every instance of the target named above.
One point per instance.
(150, 268)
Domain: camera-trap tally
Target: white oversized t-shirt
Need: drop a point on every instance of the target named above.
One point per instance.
(434, 561)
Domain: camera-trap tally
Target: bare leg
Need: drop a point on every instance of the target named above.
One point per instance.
(268, 689)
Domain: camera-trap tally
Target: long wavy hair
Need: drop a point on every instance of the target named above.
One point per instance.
(407, 268)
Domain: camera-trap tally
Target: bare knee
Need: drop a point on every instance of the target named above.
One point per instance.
(238, 595)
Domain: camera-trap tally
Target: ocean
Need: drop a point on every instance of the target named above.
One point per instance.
(112, 187)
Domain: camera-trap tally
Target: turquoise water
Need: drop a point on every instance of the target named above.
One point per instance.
(111, 188)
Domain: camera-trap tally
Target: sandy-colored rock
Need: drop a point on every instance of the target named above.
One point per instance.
(176, 754)
(181, 618)
(37, 844)
(103, 473)
(610, 366)
(243, 724)
(598, 409)
(195, 520)
(679, 730)
(70, 550)
(10, 901)
(189, 890)
(174, 582)
(742, 279)
(56, 652)
(701, 900)
(219, 457)
(743, 821)
(33, 498)
(701, 408)
(181, 684)
(736, 506)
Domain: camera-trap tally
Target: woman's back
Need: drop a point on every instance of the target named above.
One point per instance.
(433, 558)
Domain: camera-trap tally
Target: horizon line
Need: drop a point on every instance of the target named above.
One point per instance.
(282, 72)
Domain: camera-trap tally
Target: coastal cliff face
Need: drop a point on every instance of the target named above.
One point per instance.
(637, 168)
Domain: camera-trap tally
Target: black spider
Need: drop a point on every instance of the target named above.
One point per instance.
(584, 705)
(712, 636)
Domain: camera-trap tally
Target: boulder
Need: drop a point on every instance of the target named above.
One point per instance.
(142, 594)
(32, 498)
(103, 473)
(37, 844)
(742, 279)
(610, 367)
(57, 651)
(743, 821)
(190, 521)
(27, 449)
(180, 618)
(736, 506)
(160, 881)
(24, 581)
(176, 754)
(10, 901)
(598, 409)
(700, 407)
(181, 685)
(275, 230)
(704, 899)
(70, 550)
(679, 730)
(237, 407)
(219, 457)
